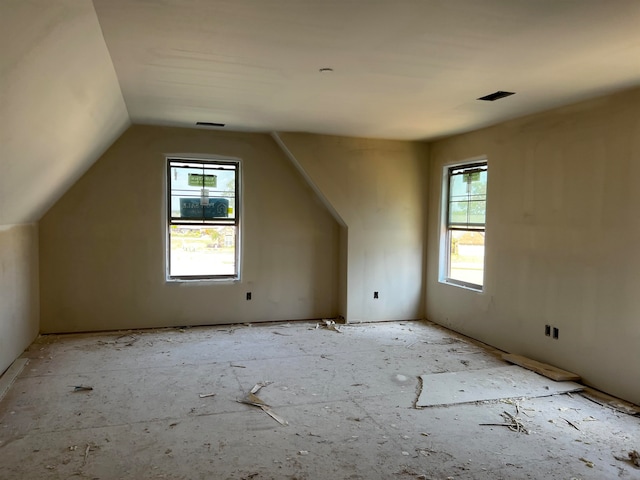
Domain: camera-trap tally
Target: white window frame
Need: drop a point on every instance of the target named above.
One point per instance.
(236, 221)
(444, 260)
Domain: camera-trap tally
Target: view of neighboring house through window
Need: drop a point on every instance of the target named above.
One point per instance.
(203, 219)
(466, 200)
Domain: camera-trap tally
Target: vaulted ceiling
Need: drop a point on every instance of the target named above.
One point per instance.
(75, 73)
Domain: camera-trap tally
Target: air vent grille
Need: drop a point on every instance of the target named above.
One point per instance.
(210, 124)
(492, 97)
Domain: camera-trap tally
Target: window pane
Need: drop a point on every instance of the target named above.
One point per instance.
(458, 213)
(467, 197)
(204, 251)
(477, 212)
(466, 256)
(203, 192)
(458, 186)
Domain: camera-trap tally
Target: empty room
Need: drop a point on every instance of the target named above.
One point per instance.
(319, 239)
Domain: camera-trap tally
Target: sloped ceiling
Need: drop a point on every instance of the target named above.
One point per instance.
(403, 69)
(60, 102)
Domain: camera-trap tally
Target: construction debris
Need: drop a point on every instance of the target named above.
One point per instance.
(612, 402)
(252, 399)
(81, 388)
(205, 395)
(549, 371)
(514, 423)
(7, 378)
(329, 325)
(570, 423)
(588, 463)
(86, 454)
(632, 457)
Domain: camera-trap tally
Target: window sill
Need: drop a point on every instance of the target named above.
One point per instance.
(201, 281)
(464, 286)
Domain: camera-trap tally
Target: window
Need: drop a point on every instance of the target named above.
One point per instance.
(203, 219)
(465, 189)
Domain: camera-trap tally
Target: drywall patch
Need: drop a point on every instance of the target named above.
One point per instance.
(488, 384)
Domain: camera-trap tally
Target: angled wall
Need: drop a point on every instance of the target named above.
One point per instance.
(60, 108)
(561, 242)
(102, 245)
(378, 190)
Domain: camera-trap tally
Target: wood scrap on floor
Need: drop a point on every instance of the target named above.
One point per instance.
(328, 324)
(7, 379)
(513, 422)
(606, 400)
(548, 371)
(252, 399)
(82, 388)
(633, 457)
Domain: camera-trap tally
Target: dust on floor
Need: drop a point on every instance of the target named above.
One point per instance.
(166, 404)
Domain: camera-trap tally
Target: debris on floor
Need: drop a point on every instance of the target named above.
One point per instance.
(514, 423)
(588, 463)
(570, 423)
(633, 457)
(614, 403)
(205, 395)
(549, 371)
(252, 399)
(86, 454)
(487, 384)
(9, 377)
(329, 325)
(81, 388)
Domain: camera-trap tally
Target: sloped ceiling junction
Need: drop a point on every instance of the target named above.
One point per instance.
(60, 102)
(75, 73)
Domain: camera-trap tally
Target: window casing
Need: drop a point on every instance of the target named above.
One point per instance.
(203, 212)
(465, 189)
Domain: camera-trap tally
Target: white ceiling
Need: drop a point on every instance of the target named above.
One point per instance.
(74, 74)
(404, 69)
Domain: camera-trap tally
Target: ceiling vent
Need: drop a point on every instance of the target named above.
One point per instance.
(210, 124)
(492, 97)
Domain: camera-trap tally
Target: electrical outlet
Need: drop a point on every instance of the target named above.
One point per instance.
(375, 294)
(556, 333)
(248, 295)
(547, 330)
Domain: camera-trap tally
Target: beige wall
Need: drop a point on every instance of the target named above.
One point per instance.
(102, 246)
(377, 189)
(561, 243)
(18, 290)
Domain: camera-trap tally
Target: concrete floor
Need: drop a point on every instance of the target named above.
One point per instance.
(348, 398)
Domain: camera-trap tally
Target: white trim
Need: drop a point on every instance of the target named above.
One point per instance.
(239, 246)
(443, 241)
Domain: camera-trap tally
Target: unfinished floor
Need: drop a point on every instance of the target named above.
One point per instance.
(348, 399)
